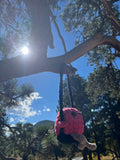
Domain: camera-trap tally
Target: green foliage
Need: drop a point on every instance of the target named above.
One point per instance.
(10, 93)
(40, 130)
(49, 140)
(28, 141)
(10, 96)
(104, 80)
(15, 27)
(77, 86)
(26, 90)
(80, 98)
(107, 120)
(102, 55)
(85, 18)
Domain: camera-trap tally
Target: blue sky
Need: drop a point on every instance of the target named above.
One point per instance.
(43, 103)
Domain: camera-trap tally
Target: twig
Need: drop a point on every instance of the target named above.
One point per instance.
(58, 30)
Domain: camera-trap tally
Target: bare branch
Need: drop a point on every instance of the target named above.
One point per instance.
(58, 30)
(2, 157)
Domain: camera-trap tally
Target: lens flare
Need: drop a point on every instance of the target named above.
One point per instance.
(25, 50)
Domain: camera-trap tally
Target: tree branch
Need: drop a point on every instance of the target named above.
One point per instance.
(23, 66)
(2, 157)
(110, 40)
(111, 15)
(28, 148)
(58, 31)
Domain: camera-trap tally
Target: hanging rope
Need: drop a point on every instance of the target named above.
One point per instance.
(61, 74)
(61, 97)
(70, 91)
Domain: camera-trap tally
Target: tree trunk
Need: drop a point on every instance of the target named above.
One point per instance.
(90, 156)
(56, 157)
(84, 155)
(98, 155)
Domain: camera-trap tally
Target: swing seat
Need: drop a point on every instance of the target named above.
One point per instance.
(73, 123)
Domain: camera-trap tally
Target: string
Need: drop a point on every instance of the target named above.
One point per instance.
(61, 97)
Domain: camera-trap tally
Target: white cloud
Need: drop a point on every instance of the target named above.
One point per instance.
(24, 109)
(22, 120)
(7, 130)
(39, 112)
(11, 119)
(12, 125)
(34, 123)
(46, 109)
(35, 96)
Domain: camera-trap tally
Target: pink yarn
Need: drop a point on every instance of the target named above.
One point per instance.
(73, 122)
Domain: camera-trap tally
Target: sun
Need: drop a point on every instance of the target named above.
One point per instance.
(25, 50)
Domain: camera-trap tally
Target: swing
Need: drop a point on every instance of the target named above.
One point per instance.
(69, 124)
(69, 120)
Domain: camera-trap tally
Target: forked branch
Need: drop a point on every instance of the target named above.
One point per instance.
(21, 66)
